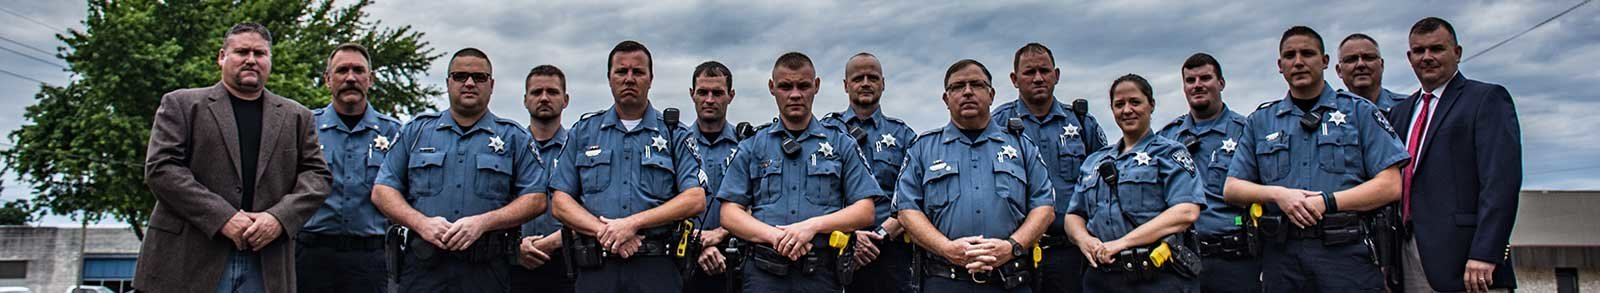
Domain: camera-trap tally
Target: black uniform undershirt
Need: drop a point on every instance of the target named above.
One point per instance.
(1304, 104)
(972, 134)
(247, 116)
(711, 136)
(350, 120)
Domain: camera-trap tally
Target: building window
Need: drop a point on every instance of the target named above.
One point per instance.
(13, 269)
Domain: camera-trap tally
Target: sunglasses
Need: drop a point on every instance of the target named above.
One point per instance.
(478, 77)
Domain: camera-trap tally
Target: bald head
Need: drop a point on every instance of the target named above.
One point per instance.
(863, 81)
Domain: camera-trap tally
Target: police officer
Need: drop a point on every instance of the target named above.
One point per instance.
(1064, 138)
(540, 263)
(1136, 197)
(792, 181)
(882, 139)
(1361, 68)
(974, 196)
(462, 180)
(712, 90)
(1315, 159)
(1210, 132)
(626, 182)
(341, 246)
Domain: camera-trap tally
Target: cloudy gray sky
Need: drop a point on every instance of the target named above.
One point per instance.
(1094, 42)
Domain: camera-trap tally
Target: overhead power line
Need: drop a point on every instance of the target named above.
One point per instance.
(1535, 26)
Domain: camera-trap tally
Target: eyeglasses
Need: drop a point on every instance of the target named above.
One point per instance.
(478, 77)
(962, 86)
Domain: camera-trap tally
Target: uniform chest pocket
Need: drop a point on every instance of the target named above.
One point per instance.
(1139, 190)
(425, 172)
(940, 186)
(886, 167)
(374, 163)
(593, 171)
(771, 179)
(1272, 159)
(822, 184)
(1216, 172)
(1010, 183)
(655, 176)
(1338, 152)
(494, 177)
(1068, 157)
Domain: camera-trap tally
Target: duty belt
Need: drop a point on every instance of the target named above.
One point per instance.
(1013, 273)
(341, 242)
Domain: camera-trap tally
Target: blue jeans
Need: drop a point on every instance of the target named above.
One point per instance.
(243, 274)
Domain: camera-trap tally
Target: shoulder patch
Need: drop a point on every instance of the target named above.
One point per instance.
(1384, 122)
(1184, 159)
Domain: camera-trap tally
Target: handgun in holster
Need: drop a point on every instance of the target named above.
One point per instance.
(394, 249)
(581, 252)
(1387, 233)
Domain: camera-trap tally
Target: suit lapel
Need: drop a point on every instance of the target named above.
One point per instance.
(222, 111)
(271, 129)
(1451, 95)
(1402, 116)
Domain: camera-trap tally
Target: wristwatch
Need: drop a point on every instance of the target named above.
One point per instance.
(1016, 248)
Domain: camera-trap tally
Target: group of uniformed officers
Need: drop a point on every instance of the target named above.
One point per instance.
(1026, 196)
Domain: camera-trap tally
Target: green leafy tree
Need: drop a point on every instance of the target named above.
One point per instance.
(83, 148)
(16, 212)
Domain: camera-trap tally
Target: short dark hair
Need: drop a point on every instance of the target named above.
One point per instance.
(248, 27)
(793, 61)
(1358, 36)
(1203, 59)
(547, 70)
(472, 52)
(1016, 60)
(352, 47)
(1431, 24)
(1138, 81)
(964, 63)
(1301, 30)
(711, 69)
(628, 46)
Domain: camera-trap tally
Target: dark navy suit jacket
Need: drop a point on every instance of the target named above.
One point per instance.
(1464, 192)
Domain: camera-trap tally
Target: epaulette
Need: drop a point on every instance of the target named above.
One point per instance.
(591, 114)
(831, 115)
(895, 120)
(435, 114)
(318, 111)
(1268, 104)
(381, 116)
(764, 126)
(1176, 121)
(930, 132)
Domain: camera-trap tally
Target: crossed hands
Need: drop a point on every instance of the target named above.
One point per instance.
(793, 241)
(536, 250)
(1099, 253)
(251, 231)
(1303, 207)
(620, 236)
(450, 236)
(978, 254)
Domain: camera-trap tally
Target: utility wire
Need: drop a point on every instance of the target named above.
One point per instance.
(1535, 26)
